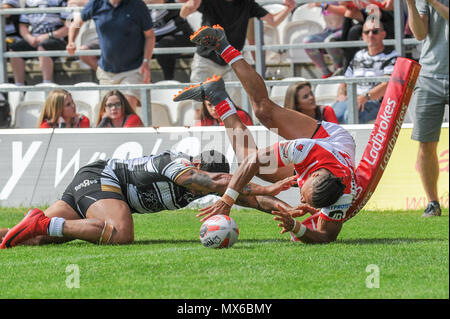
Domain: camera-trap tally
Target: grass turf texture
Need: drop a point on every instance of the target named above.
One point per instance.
(168, 261)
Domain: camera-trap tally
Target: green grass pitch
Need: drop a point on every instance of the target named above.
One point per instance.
(377, 255)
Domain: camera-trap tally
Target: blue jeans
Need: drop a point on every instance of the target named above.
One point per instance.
(369, 114)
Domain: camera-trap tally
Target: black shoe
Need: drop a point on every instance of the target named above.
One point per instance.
(213, 90)
(212, 38)
(433, 209)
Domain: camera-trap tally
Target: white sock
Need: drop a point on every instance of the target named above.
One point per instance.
(56, 226)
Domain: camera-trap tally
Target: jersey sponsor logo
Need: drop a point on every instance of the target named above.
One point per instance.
(337, 214)
(340, 206)
(85, 183)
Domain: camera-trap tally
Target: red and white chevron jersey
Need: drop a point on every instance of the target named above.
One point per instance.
(331, 147)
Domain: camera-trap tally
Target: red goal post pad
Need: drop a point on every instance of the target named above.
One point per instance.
(383, 137)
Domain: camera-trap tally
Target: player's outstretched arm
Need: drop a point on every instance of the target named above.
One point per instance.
(241, 178)
(206, 182)
(327, 231)
(263, 203)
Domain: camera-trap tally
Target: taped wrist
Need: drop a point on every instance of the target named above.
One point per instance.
(299, 229)
(231, 55)
(225, 108)
(227, 200)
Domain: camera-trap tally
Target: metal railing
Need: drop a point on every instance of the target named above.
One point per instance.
(145, 90)
(259, 47)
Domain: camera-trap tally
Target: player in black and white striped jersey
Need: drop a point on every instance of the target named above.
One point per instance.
(97, 205)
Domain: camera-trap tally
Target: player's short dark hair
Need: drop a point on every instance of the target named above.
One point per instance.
(213, 161)
(327, 190)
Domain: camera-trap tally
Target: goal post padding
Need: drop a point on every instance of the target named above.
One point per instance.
(383, 137)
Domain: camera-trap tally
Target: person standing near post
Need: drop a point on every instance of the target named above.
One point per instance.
(127, 39)
(428, 21)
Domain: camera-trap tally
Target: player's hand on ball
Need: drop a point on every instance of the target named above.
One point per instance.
(218, 208)
(282, 185)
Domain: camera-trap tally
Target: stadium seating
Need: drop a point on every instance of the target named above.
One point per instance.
(275, 8)
(165, 97)
(86, 99)
(195, 20)
(305, 13)
(186, 114)
(161, 115)
(271, 37)
(278, 92)
(294, 33)
(39, 96)
(27, 114)
(14, 99)
(326, 94)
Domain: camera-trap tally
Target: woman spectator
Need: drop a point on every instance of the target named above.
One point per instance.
(60, 111)
(116, 111)
(299, 97)
(209, 117)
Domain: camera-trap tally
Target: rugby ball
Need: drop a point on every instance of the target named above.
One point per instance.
(219, 231)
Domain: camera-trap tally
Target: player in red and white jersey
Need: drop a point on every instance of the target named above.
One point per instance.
(322, 154)
(331, 149)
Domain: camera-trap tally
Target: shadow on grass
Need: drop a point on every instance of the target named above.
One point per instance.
(386, 241)
(197, 241)
(248, 243)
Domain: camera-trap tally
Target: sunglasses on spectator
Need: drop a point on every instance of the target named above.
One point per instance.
(117, 105)
(374, 31)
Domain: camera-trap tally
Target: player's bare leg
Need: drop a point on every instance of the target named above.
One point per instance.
(116, 213)
(241, 139)
(288, 123)
(108, 221)
(103, 217)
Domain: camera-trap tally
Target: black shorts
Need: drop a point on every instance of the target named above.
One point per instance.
(90, 184)
(50, 44)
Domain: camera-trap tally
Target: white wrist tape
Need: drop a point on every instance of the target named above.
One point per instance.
(232, 193)
(301, 231)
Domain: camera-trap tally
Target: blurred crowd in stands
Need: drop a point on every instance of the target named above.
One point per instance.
(127, 32)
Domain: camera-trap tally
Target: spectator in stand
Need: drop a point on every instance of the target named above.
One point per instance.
(93, 44)
(11, 23)
(233, 16)
(209, 117)
(170, 31)
(376, 60)
(127, 39)
(300, 97)
(358, 11)
(115, 111)
(42, 32)
(61, 112)
(333, 14)
(428, 21)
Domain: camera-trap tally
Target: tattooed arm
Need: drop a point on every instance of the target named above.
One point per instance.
(203, 181)
(265, 204)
